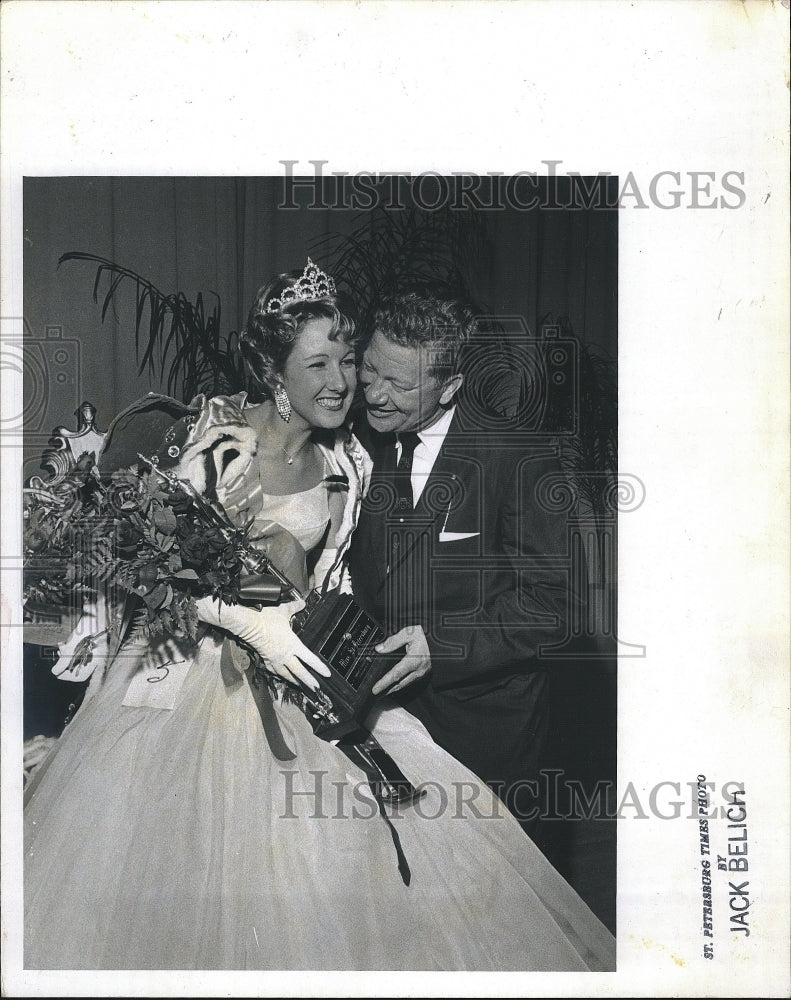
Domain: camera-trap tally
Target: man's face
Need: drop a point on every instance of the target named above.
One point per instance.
(400, 394)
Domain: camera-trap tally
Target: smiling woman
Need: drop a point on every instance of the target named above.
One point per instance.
(320, 372)
(301, 363)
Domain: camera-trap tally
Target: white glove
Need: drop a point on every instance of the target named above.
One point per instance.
(269, 633)
(212, 445)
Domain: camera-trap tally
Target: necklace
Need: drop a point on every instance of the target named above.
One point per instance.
(292, 457)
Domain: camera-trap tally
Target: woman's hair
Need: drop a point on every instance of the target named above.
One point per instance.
(269, 336)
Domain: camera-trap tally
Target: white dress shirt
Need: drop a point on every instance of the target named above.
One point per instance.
(426, 452)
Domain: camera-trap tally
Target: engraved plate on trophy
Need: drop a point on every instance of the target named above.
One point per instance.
(337, 629)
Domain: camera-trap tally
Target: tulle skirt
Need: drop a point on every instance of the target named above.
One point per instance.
(176, 839)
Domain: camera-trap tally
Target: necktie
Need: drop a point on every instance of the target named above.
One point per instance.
(403, 475)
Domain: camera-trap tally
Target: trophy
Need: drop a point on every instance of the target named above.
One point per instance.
(337, 629)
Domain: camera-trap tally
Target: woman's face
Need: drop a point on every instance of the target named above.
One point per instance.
(320, 376)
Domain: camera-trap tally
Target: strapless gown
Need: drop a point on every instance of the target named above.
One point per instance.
(176, 839)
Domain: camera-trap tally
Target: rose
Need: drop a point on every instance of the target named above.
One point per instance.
(217, 542)
(180, 502)
(124, 496)
(194, 549)
(127, 539)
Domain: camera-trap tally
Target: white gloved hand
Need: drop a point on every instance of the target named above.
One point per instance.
(211, 446)
(269, 633)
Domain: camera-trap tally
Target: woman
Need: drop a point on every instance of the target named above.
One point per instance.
(179, 837)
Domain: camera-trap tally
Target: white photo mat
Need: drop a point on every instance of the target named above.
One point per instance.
(691, 88)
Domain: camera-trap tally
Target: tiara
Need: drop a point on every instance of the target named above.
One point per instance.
(312, 284)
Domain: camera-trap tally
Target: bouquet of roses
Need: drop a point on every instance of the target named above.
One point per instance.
(146, 536)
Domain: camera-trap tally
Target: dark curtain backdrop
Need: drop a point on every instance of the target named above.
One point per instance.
(228, 236)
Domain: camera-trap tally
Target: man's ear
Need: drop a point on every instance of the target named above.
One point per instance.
(450, 389)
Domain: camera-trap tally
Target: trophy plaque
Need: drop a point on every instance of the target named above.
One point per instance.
(337, 629)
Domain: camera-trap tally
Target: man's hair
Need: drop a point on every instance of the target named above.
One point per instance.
(414, 319)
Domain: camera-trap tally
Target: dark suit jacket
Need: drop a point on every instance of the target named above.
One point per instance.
(483, 565)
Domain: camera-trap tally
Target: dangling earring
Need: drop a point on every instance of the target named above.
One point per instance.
(283, 403)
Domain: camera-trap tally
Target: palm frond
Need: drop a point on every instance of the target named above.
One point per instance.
(181, 342)
(393, 251)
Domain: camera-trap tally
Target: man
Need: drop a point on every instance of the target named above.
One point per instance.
(455, 553)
